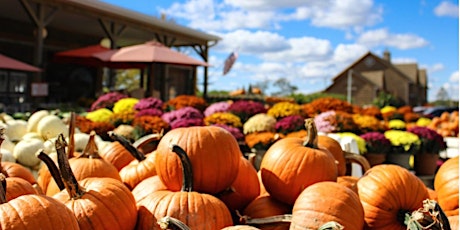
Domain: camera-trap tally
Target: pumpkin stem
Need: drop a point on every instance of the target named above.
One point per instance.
(54, 171)
(264, 220)
(431, 216)
(144, 143)
(71, 184)
(167, 222)
(3, 188)
(311, 140)
(71, 147)
(187, 173)
(331, 225)
(128, 146)
(2, 136)
(91, 151)
(357, 158)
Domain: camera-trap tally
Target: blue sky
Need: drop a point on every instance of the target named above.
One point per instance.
(309, 42)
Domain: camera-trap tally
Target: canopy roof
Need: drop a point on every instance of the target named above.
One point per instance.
(13, 64)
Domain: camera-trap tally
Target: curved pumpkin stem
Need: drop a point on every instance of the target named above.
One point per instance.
(286, 218)
(311, 140)
(331, 225)
(3, 189)
(147, 139)
(128, 146)
(71, 184)
(168, 222)
(431, 216)
(356, 158)
(187, 173)
(71, 147)
(91, 151)
(54, 171)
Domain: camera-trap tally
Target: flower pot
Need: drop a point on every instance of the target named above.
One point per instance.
(401, 159)
(425, 163)
(375, 158)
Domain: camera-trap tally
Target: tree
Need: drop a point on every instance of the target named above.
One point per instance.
(284, 86)
(442, 94)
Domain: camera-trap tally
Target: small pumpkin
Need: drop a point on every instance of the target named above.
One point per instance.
(16, 186)
(387, 192)
(336, 150)
(327, 201)
(446, 185)
(148, 186)
(292, 164)
(265, 206)
(350, 182)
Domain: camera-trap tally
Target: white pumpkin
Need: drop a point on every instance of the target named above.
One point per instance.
(51, 126)
(7, 155)
(25, 151)
(34, 119)
(49, 146)
(7, 144)
(32, 135)
(81, 139)
(15, 129)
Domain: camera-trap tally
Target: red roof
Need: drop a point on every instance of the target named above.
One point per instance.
(13, 64)
(82, 56)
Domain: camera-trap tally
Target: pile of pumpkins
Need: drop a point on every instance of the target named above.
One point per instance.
(54, 177)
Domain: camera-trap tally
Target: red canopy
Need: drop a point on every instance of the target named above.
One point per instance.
(13, 64)
(82, 56)
(148, 52)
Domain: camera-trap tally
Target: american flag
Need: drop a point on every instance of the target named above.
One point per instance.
(229, 62)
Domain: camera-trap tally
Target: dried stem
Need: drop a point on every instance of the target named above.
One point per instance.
(168, 222)
(71, 184)
(54, 170)
(71, 147)
(91, 151)
(285, 218)
(312, 134)
(128, 146)
(3, 189)
(187, 173)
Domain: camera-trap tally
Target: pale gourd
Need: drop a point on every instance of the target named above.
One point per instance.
(7, 144)
(51, 126)
(80, 141)
(32, 135)
(34, 119)
(49, 146)
(7, 155)
(15, 129)
(25, 151)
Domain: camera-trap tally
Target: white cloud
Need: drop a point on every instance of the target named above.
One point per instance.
(252, 42)
(404, 60)
(454, 77)
(301, 50)
(348, 53)
(446, 8)
(382, 37)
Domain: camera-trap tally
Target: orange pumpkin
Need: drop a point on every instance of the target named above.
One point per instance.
(324, 202)
(292, 164)
(16, 186)
(196, 210)
(387, 192)
(336, 150)
(266, 206)
(244, 189)
(213, 151)
(148, 186)
(350, 182)
(453, 221)
(446, 186)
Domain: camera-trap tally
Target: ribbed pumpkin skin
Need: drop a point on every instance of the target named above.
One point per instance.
(453, 221)
(197, 210)
(240, 227)
(246, 187)
(147, 186)
(213, 152)
(446, 186)
(11, 169)
(266, 206)
(384, 191)
(335, 149)
(107, 204)
(136, 171)
(288, 168)
(327, 201)
(350, 182)
(16, 186)
(116, 154)
(31, 212)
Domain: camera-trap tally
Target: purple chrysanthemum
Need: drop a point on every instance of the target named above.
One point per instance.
(376, 142)
(186, 122)
(290, 124)
(184, 113)
(234, 131)
(217, 107)
(432, 141)
(149, 103)
(246, 109)
(107, 100)
(149, 112)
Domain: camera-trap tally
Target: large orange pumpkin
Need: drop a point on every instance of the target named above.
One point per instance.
(213, 151)
(446, 186)
(327, 201)
(265, 206)
(336, 150)
(387, 192)
(196, 210)
(292, 164)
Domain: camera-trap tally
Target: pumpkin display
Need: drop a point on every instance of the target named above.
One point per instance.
(31, 211)
(16, 186)
(116, 154)
(349, 182)
(453, 221)
(292, 164)
(387, 192)
(213, 152)
(244, 189)
(265, 206)
(11, 169)
(446, 185)
(97, 203)
(196, 210)
(324, 202)
(148, 186)
(25, 151)
(34, 118)
(240, 227)
(142, 167)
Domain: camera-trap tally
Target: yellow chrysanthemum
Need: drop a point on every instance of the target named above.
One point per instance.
(100, 115)
(125, 105)
(359, 140)
(284, 109)
(388, 109)
(423, 121)
(402, 138)
(396, 124)
(229, 119)
(259, 123)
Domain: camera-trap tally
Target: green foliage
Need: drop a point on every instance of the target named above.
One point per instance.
(128, 79)
(307, 98)
(386, 99)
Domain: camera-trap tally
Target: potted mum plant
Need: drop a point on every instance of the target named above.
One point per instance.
(377, 147)
(404, 145)
(425, 160)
